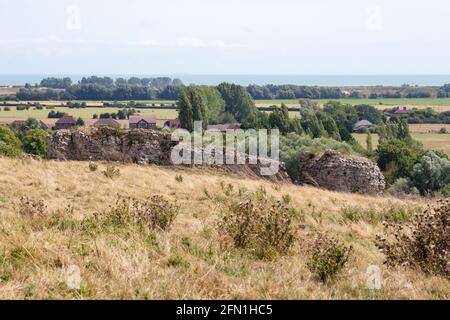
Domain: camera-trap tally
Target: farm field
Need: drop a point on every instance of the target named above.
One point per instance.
(85, 113)
(122, 261)
(440, 105)
(92, 102)
(434, 141)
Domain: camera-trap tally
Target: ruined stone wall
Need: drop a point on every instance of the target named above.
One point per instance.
(140, 146)
(340, 173)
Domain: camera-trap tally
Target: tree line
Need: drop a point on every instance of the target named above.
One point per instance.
(102, 88)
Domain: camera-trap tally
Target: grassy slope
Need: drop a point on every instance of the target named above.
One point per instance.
(35, 253)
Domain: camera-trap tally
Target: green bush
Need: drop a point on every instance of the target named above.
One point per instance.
(431, 173)
(10, 144)
(396, 158)
(36, 142)
(446, 190)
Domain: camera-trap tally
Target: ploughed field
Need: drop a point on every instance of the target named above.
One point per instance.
(72, 217)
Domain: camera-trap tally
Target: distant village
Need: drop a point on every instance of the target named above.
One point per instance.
(138, 121)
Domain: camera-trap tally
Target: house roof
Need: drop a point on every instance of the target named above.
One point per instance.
(66, 120)
(149, 119)
(403, 109)
(363, 123)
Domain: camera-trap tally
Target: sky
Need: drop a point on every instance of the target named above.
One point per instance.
(224, 37)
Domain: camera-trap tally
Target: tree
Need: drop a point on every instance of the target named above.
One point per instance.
(329, 125)
(10, 144)
(397, 158)
(80, 122)
(198, 106)
(369, 144)
(431, 173)
(279, 118)
(215, 106)
(312, 126)
(370, 113)
(344, 115)
(35, 142)
(185, 114)
(237, 101)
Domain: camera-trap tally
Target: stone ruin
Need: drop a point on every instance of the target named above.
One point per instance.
(341, 173)
(110, 144)
(141, 146)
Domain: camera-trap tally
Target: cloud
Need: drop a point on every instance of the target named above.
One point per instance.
(184, 42)
(189, 42)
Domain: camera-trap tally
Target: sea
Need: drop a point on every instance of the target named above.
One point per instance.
(259, 79)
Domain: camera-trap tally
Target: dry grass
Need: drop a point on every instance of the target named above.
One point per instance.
(185, 262)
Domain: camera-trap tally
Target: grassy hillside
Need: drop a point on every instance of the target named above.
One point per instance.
(120, 260)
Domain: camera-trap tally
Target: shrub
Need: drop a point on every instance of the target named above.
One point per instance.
(10, 144)
(93, 166)
(156, 213)
(446, 190)
(260, 224)
(424, 243)
(31, 208)
(329, 256)
(35, 142)
(111, 171)
(179, 178)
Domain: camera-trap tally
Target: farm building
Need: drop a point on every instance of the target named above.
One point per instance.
(142, 122)
(172, 124)
(65, 122)
(402, 110)
(107, 123)
(362, 126)
(224, 127)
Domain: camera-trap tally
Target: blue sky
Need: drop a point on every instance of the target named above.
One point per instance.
(224, 37)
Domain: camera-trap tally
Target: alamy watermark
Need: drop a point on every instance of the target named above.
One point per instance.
(229, 147)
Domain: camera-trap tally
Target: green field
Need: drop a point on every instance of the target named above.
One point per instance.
(85, 113)
(388, 102)
(432, 141)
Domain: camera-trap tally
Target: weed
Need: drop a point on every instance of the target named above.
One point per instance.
(111, 171)
(329, 256)
(423, 243)
(261, 224)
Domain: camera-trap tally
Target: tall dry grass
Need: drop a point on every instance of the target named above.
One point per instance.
(187, 260)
